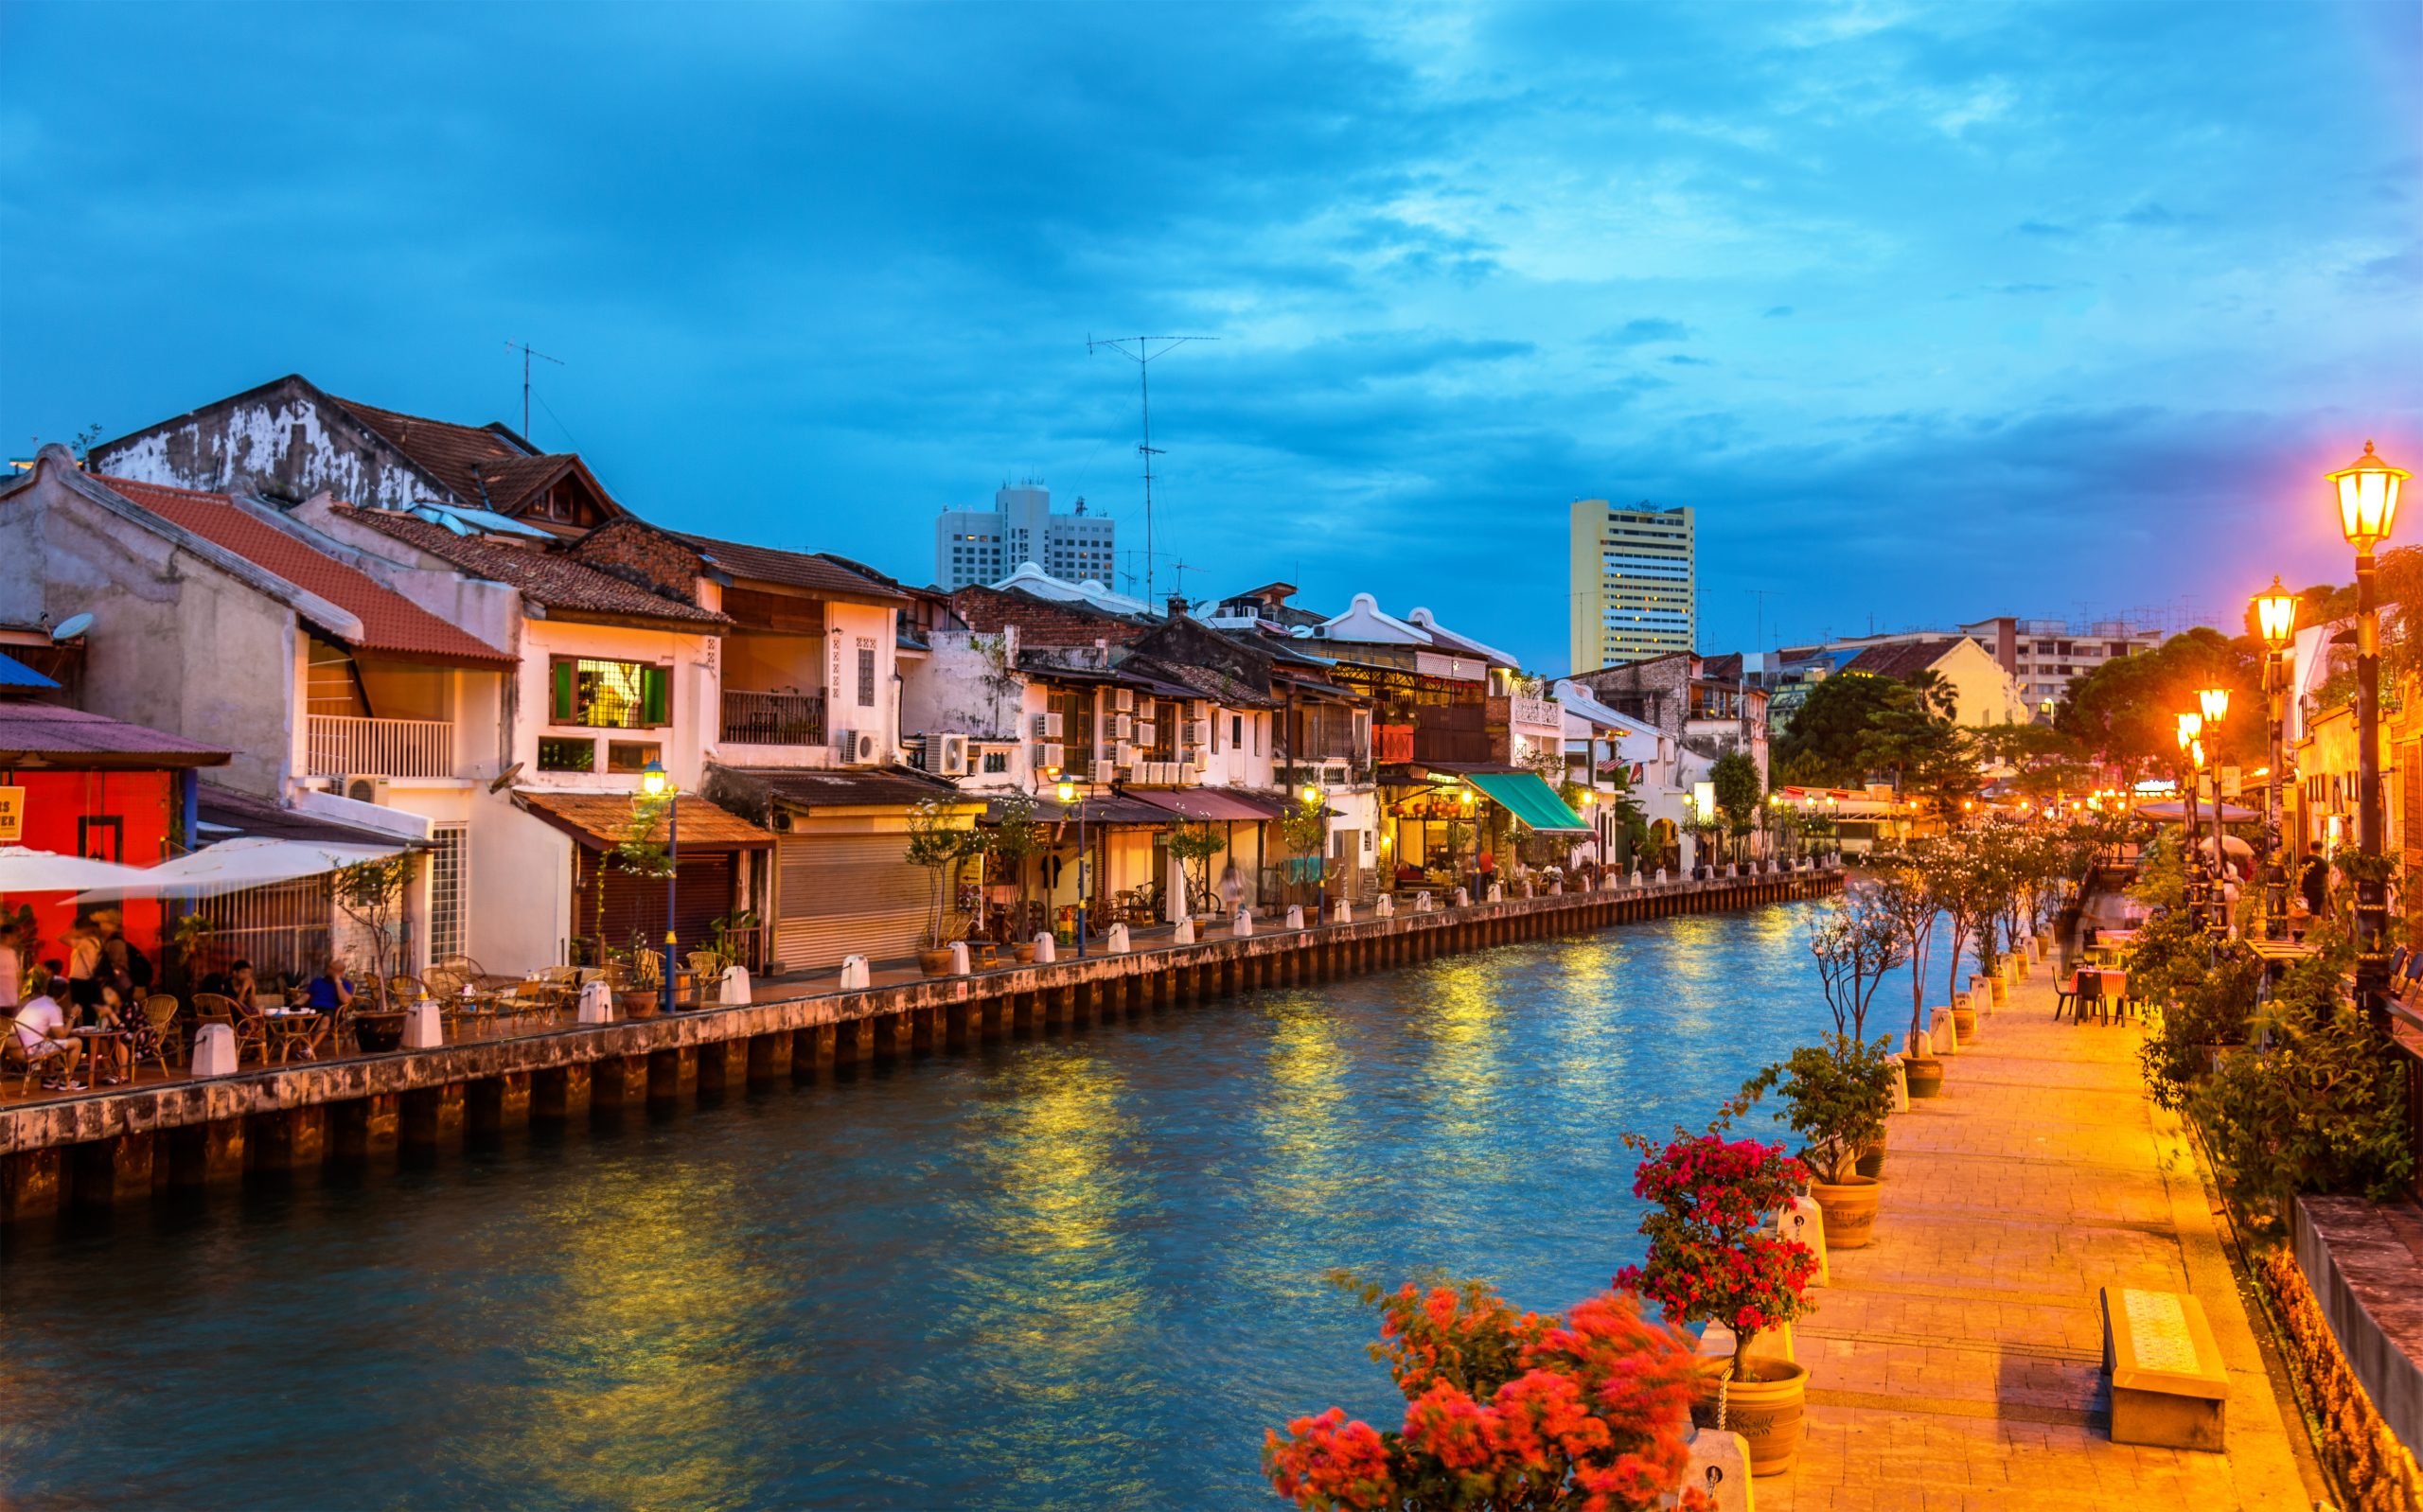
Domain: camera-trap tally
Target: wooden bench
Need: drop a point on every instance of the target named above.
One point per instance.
(2168, 1389)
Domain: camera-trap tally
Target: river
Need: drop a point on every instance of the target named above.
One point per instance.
(1082, 1271)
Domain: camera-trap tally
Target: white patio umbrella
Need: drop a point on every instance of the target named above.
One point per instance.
(24, 870)
(232, 866)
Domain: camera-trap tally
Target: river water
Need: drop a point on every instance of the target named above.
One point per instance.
(1084, 1271)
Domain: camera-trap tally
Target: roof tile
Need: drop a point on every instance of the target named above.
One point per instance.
(64, 735)
(545, 577)
(767, 564)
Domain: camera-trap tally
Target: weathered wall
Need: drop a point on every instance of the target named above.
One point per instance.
(279, 440)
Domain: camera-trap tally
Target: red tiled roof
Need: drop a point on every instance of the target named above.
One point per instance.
(768, 564)
(390, 622)
(71, 737)
(484, 466)
(1903, 658)
(600, 820)
(545, 577)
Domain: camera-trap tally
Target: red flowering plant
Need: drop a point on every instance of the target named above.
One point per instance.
(1505, 1411)
(1714, 1256)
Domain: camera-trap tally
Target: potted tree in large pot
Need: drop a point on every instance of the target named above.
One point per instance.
(1855, 942)
(1016, 838)
(1837, 1095)
(937, 842)
(1714, 1257)
(1903, 896)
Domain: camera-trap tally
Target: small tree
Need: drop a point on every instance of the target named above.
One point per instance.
(936, 841)
(1305, 830)
(1838, 1094)
(1194, 846)
(371, 893)
(1734, 776)
(1016, 837)
(1903, 896)
(1856, 941)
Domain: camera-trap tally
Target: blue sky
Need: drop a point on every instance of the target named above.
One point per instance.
(1932, 313)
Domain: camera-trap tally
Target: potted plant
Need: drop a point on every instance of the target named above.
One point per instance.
(1504, 1410)
(936, 842)
(1905, 897)
(640, 991)
(1714, 1257)
(1837, 1095)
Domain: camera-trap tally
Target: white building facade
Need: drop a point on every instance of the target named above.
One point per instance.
(988, 545)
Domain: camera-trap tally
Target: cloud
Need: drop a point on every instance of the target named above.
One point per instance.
(1644, 331)
(2033, 227)
(1678, 360)
(1779, 311)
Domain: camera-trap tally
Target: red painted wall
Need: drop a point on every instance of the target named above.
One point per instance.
(115, 816)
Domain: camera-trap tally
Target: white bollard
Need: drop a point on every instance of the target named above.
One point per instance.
(856, 975)
(1047, 949)
(1295, 916)
(1184, 933)
(1719, 1470)
(1462, 898)
(1421, 900)
(1633, 879)
(1606, 881)
(1497, 892)
(961, 962)
(1556, 889)
(422, 1028)
(1939, 1026)
(1386, 906)
(736, 985)
(1901, 1087)
(1661, 876)
(1116, 942)
(1244, 925)
(214, 1050)
(597, 1003)
(1341, 912)
(1801, 1219)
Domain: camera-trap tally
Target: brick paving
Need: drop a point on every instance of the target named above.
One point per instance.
(1956, 1364)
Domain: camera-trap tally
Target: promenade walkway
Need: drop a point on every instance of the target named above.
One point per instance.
(1954, 1365)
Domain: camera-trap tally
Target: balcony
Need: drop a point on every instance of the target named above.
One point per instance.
(351, 746)
(1396, 744)
(773, 718)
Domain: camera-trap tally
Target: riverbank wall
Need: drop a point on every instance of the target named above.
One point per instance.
(131, 1145)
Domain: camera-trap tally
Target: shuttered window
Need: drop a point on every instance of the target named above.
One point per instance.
(609, 695)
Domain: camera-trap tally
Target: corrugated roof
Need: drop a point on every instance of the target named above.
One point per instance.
(389, 622)
(796, 787)
(15, 674)
(544, 576)
(226, 813)
(769, 564)
(599, 821)
(71, 737)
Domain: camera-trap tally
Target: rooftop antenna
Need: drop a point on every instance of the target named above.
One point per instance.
(1178, 569)
(1759, 640)
(1141, 350)
(527, 353)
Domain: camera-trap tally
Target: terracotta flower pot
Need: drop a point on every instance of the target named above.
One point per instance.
(1871, 1160)
(1024, 951)
(639, 1002)
(937, 962)
(1925, 1074)
(1999, 989)
(1964, 1025)
(1767, 1409)
(1850, 1209)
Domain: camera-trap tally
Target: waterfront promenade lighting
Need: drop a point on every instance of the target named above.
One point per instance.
(1070, 798)
(2367, 491)
(2276, 615)
(2215, 703)
(2191, 856)
(655, 784)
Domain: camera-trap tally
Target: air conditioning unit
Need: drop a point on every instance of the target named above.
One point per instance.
(1169, 773)
(1124, 700)
(1137, 772)
(1202, 758)
(912, 749)
(1145, 708)
(1122, 754)
(862, 747)
(363, 789)
(1148, 734)
(1047, 726)
(1123, 727)
(1050, 756)
(1198, 732)
(954, 754)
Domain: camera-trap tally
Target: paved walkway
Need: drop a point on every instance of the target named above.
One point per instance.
(1956, 1364)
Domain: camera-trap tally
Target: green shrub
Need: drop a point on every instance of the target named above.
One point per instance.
(2215, 1009)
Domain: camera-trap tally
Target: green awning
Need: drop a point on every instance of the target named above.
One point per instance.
(1528, 798)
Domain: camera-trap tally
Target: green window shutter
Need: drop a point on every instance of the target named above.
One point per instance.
(658, 681)
(563, 711)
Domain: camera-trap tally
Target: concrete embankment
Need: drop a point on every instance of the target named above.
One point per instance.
(128, 1145)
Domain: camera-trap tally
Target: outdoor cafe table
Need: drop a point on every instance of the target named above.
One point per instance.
(95, 1039)
(287, 1028)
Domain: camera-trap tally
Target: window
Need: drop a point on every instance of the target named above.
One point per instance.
(609, 695)
(631, 755)
(996, 761)
(567, 755)
(1237, 732)
(866, 675)
(450, 890)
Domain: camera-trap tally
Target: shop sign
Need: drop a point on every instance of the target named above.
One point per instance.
(13, 816)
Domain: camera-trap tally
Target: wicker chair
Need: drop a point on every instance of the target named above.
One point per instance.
(161, 1010)
(212, 1008)
(13, 1055)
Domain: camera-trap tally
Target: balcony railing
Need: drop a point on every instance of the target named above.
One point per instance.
(1396, 743)
(352, 746)
(773, 718)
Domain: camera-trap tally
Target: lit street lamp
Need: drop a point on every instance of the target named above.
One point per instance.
(2367, 490)
(2276, 615)
(2191, 859)
(1070, 798)
(2216, 703)
(656, 785)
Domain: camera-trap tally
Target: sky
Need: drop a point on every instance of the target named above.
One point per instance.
(1931, 312)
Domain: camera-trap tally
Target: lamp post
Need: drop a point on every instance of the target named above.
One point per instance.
(656, 785)
(1070, 798)
(2276, 615)
(2191, 858)
(2367, 490)
(1312, 797)
(2216, 707)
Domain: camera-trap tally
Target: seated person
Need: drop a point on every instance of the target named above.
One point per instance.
(242, 989)
(42, 1033)
(330, 990)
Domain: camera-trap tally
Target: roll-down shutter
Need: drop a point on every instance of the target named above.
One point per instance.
(847, 895)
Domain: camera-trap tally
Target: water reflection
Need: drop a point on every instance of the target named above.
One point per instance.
(1082, 1272)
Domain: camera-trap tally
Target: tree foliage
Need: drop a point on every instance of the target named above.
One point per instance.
(2125, 712)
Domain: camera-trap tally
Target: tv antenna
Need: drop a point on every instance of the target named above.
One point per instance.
(527, 353)
(1178, 570)
(1142, 350)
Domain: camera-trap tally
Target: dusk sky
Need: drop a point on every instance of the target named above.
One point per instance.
(1931, 313)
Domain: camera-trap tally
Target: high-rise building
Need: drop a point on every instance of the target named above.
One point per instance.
(988, 545)
(1635, 582)
(2043, 657)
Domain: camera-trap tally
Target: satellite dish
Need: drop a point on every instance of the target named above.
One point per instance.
(69, 629)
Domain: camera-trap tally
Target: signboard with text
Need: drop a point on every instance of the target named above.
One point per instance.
(13, 816)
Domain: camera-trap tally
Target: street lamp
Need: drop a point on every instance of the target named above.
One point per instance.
(1070, 798)
(2216, 703)
(655, 784)
(2191, 859)
(2368, 489)
(2276, 615)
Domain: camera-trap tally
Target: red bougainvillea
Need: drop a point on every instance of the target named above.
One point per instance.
(1712, 1257)
(1504, 1410)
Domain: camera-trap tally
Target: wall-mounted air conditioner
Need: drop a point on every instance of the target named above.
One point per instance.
(362, 789)
(1202, 758)
(1122, 754)
(1147, 734)
(954, 754)
(1124, 700)
(1198, 732)
(1047, 726)
(1049, 756)
(1145, 708)
(862, 747)
(1123, 727)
